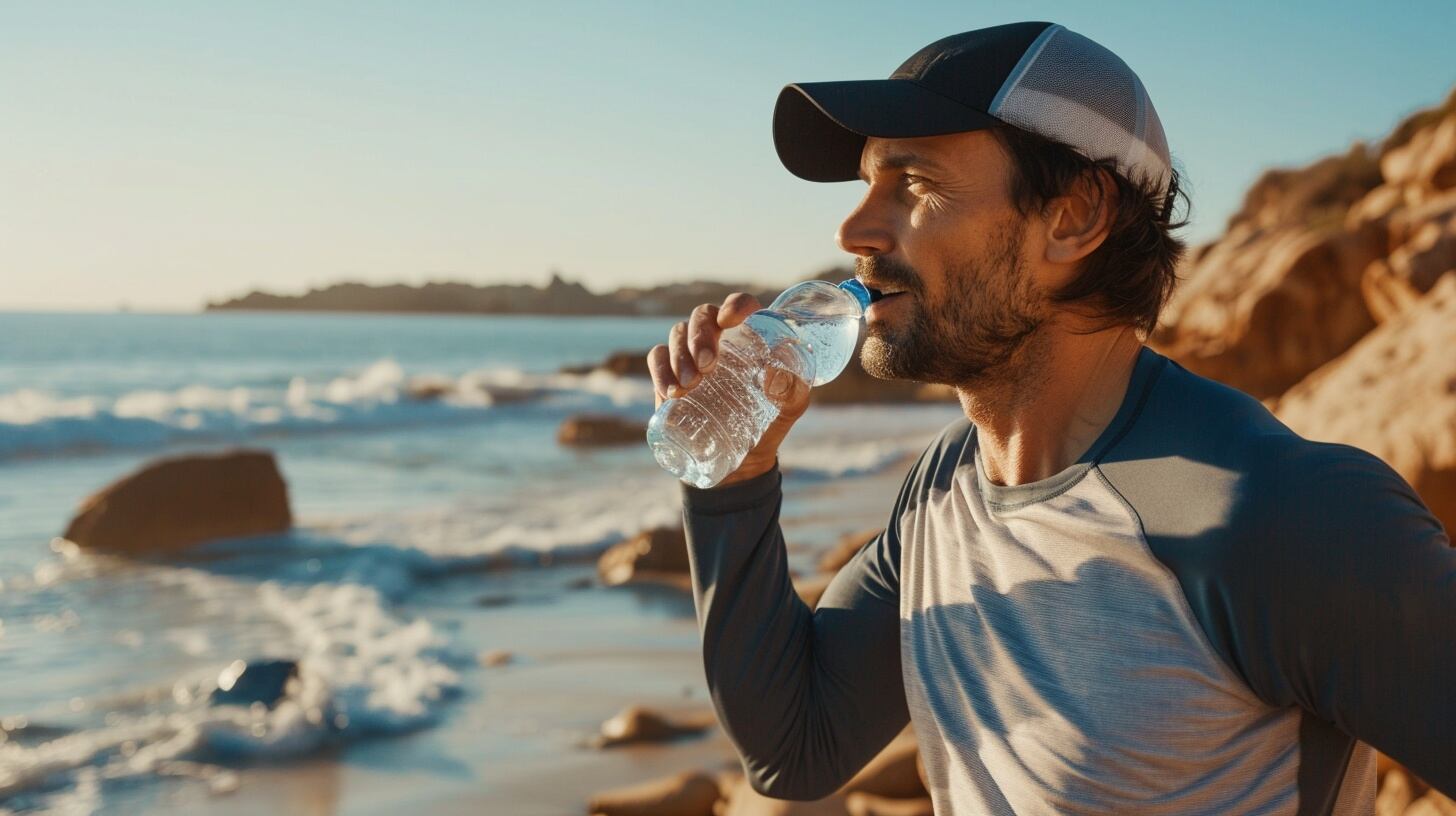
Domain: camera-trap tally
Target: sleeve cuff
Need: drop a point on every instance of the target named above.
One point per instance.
(734, 497)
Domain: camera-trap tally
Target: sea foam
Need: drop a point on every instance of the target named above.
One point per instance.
(381, 395)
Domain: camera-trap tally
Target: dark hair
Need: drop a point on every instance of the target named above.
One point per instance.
(1129, 278)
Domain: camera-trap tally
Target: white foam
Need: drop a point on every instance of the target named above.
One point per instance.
(839, 459)
(362, 671)
(38, 423)
(560, 523)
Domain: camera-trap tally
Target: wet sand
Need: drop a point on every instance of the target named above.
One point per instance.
(514, 741)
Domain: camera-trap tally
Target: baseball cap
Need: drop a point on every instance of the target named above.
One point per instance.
(1037, 76)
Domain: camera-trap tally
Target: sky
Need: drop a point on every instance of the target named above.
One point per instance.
(158, 155)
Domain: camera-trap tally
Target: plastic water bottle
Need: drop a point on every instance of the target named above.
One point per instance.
(809, 330)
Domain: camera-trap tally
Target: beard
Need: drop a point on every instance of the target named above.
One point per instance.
(988, 317)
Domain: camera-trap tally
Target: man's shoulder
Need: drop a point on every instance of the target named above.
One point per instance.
(1210, 469)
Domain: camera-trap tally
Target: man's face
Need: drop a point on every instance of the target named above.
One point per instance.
(937, 225)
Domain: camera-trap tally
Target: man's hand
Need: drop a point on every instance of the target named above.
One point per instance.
(691, 352)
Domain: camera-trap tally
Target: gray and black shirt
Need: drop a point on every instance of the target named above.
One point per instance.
(1206, 613)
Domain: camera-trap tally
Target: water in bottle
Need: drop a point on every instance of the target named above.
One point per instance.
(810, 330)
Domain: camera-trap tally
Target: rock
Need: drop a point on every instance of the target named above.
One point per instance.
(627, 364)
(636, 724)
(259, 681)
(595, 430)
(743, 800)
(1386, 293)
(659, 550)
(1428, 255)
(1377, 205)
(849, 545)
(510, 394)
(892, 772)
(1395, 794)
(1394, 395)
(1432, 804)
(621, 363)
(1424, 238)
(1299, 198)
(686, 794)
(429, 389)
(174, 503)
(1427, 160)
(1263, 308)
(866, 804)
(495, 600)
(495, 657)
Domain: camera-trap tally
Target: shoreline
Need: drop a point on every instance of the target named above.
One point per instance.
(512, 742)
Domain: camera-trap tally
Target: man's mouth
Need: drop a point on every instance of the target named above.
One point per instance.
(881, 294)
(880, 300)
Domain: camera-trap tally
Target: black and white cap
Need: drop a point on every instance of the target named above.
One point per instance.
(1040, 77)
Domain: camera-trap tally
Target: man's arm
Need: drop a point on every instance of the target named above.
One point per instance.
(1359, 609)
(807, 697)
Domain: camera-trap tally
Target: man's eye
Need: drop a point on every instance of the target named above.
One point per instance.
(911, 180)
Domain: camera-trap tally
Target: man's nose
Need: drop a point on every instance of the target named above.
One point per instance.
(867, 230)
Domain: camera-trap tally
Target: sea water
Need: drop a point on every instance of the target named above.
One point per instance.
(398, 501)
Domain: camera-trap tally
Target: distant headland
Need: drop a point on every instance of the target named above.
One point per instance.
(559, 297)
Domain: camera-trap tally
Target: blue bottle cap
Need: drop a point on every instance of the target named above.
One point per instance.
(861, 294)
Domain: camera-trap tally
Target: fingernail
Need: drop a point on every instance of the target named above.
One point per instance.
(705, 357)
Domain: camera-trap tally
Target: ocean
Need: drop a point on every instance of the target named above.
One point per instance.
(407, 512)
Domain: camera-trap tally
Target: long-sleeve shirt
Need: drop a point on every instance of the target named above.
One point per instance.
(1206, 613)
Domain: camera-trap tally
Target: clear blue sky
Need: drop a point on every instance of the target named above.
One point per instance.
(160, 154)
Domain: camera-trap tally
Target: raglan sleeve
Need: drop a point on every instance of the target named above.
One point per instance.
(807, 697)
(1359, 610)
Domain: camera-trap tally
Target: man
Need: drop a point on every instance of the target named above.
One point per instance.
(1114, 587)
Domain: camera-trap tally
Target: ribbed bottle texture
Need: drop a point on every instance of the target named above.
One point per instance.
(810, 330)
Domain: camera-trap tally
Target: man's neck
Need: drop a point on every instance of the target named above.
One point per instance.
(1048, 408)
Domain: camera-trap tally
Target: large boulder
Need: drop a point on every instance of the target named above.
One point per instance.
(743, 800)
(892, 772)
(244, 683)
(638, 724)
(651, 553)
(848, 547)
(1316, 256)
(1261, 309)
(174, 503)
(600, 430)
(1394, 394)
(690, 793)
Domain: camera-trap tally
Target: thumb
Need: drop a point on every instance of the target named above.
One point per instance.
(787, 391)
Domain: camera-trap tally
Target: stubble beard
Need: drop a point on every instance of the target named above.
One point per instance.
(983, 331)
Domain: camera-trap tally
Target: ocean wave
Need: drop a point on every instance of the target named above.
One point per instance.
(39, 423)
(361, 671)
(557, 524)
(840, 459)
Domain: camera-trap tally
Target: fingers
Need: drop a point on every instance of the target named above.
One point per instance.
(703, 334)
(660, 367)
(736, 309)
(691, 349)
(685, 373)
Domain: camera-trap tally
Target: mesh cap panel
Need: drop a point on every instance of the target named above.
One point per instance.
(1071, 89)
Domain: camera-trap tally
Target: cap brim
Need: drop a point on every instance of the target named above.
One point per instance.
(820, 128)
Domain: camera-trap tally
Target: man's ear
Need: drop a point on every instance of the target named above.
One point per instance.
(1079, 220)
